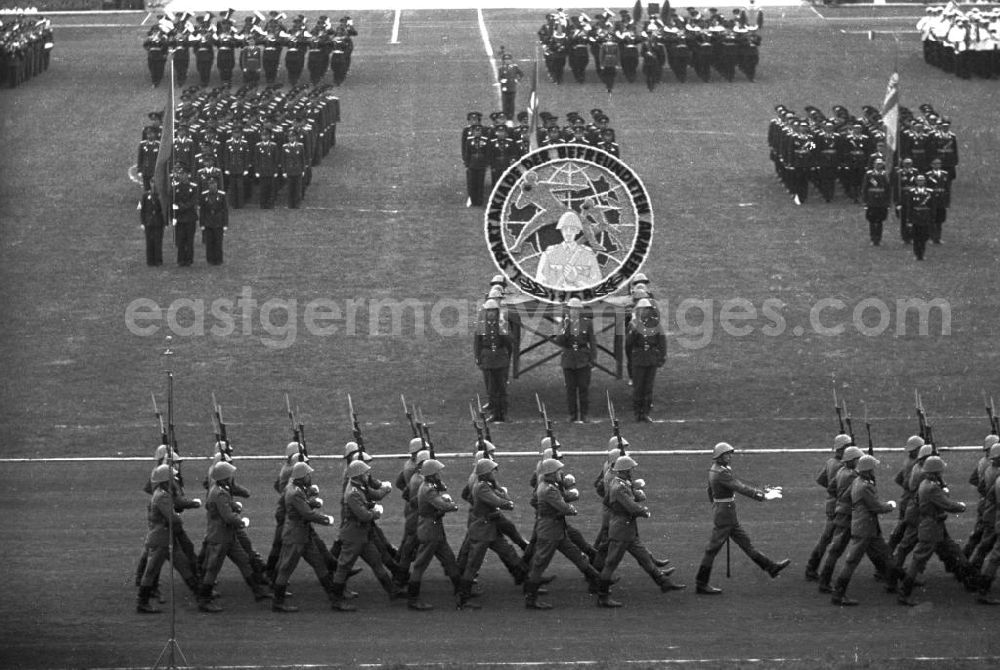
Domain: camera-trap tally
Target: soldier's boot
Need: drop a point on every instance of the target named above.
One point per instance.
(193, 584)
(661, 562)
(892, 577)
(337, 599)
(278, 602)
(462, 598)
(413, 600)
(776, 568)
(604, 598)
(260, 591)
(140, 569)
(520, 573)
(663, 580)
(142, 605)
(257, 564)
(839, 596)
(984, 597)
(531, 600)
(474, 590)
(905, 589)
(391, 588)
(812, 566)
(702, 587)
(825, 577)
(156, 593)
(205, 603)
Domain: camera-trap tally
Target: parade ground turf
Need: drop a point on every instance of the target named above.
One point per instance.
(385, 220)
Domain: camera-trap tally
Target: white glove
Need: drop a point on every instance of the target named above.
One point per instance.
(447, 498)
(329, 520)
(385, 488)
(378, 510)
(246, 522)
(772, 494)
(318, 501)
(312, 490)
(238, 506)
(640, 496)
(639, 484)
(963, 506)
(892, 504)
(503, 490)
(569, 481)
(197, 502)
(571, 495)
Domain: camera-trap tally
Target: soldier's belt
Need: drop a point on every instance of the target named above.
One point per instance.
(724, 500)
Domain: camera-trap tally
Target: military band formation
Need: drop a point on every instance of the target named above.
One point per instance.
(851, 529)
(700, 41)
(963, 43)
(229, 145)
(915, 183)
(25, 46)
(498, 144)
(256, 48)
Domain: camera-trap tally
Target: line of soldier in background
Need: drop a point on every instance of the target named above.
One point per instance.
(25, 46)
(701, 41)
(495, 147)
(255, 49)
(965, 43)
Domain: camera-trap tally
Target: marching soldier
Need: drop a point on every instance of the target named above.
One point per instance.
(976, 479)
(876, 194)
(433, 503)
(151, 217)
(579, 353)
(408, 481)
(866, 534)
(842, 511)
(214, 217)
(722, 488)
(827, 479)
(493, 348)
(991, 560)
(907, 497)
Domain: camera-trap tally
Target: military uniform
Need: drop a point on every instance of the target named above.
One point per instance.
(265, 163)
(214, 217)
(160, 516)
(921, 212)
(646, 348)
(579, 353)
(876, 194)
(486, 501)
(433, 503)
(297, 542)
(151, 216)
(185, 220)
(493, 348)
(293, 167)
(827, 479)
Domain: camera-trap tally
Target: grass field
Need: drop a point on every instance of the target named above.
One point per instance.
(385, 219)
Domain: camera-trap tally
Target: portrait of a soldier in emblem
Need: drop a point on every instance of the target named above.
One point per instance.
(569, 264)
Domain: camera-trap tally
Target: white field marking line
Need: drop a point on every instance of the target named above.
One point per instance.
(489, 52)
(816, 12)
(95, 25)
(516, 664)
(395, 27)
(465, 454)
(879, 32)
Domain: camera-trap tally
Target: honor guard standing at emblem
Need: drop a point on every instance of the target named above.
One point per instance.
(493, 348)
(646, 348)
(722, 489)
(579, 353)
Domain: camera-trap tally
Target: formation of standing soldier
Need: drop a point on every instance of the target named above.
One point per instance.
(497, 145)
(703, 42)
(25, 46)
(965, 43)
(255, 49)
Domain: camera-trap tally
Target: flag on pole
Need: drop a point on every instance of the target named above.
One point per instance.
(161, 174)
(890, 114)
(533, 108)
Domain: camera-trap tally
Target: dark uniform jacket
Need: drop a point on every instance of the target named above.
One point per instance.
(214, 210)
(624, 511)
(722, 489)
(867, 507)
(646, 346)
(875, 191)
(492, 346)
(298, 515)
(222, 518)
(934, 505)
(552, 510)
(432, 506)
(579, 348)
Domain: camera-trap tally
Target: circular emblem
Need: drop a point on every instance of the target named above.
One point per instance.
(569, 221)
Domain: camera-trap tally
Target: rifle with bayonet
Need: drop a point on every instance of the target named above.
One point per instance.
(221, 436)
(840, 412)
(482, 417)
(615, 426)
(409, 416)
(425, 431)
(159, 417)
(355, 426)
(553, 444)
(849, 422)
(480, 437)
(921, 417)
(868, 429)
(991, 412)
(297, 428)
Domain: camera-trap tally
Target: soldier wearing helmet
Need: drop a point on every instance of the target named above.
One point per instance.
(624, 500)
(294, 453)
(602, 484)
(827, 479)
(298, 537)
(359, 512)
(433, 503)
(221, 541)
(569, 264)
(411, 516)
(722, 489)
(164, 523)
(375, 490)
(579, 353)
(866, 535)
(989, 558)
(487, 498)
(493, 347)
(935, 505)
(843, 509)
(902, 479)
(982, 488)
(911, 519)
(646, 350)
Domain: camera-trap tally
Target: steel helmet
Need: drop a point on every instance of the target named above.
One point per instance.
(569, 221)
(292, 449)
(357, 468)
(486, 447)
(163, 450)
(934, 464)
(644, 302)
(721, 449)
(431, 467)
(485, 466)
(990, 440)
(914, 443)
(350, 448)
(852, 453)
(499, 280)
(160, 474)
(416, 444)
(574, 303)
(222, 470)
(867, 463)
(548, 466)
(925, 451)
(300, 470)
(613, 442)
(624, 463)
(495, 293)
(491, 304)
(995, 450)
(546, 453)
(640, 278)
(422, 456)
(639, 292)
(841, 441)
